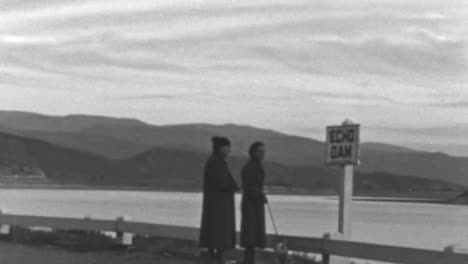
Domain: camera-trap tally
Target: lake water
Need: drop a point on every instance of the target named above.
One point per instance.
(421, 225)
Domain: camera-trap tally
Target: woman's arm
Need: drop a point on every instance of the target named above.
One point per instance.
(252, 187)
(219, 178)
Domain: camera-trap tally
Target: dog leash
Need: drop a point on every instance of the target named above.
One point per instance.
(272, 219)
(281, 248)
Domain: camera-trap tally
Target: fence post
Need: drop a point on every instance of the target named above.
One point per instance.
(326, 258)
(325, 255)
(125, 239)
(88, 219)
(4, 229)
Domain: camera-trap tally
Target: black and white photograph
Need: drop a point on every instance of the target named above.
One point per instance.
(233, 132)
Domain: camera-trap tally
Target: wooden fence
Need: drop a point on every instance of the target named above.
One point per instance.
(324, 246)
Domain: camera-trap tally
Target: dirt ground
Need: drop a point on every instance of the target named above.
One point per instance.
(23, 246)
(12, 253)
(24, 254)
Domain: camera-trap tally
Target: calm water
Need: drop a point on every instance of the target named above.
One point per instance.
(409, 224)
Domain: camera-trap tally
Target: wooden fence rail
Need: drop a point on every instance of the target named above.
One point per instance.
(324, 246)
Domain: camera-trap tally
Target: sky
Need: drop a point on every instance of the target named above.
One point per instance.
(397, 67)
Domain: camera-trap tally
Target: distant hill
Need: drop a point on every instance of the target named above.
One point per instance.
(381, 147)
(58, 164)
(171, 169)
(123, 138)
(36, 122)
(116, 138)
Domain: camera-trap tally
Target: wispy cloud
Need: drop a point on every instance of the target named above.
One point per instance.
(454, 104)
(27, 40)
(153, 96)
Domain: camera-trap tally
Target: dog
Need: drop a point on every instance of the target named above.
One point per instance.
(281, 251)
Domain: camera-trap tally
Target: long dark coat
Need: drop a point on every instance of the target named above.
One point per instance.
(218, 223)
(253, 233)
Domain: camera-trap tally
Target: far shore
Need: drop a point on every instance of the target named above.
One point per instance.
(414, 197)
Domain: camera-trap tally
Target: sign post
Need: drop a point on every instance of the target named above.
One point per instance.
(346, 199)
(342, 148)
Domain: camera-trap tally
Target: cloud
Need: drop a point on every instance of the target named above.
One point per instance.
(452, 131)
(434, 16)
(337, 55)
(341, 97)
(209, 37)
(453, 105)
(27, 40)
(153, 96)
(79, 58)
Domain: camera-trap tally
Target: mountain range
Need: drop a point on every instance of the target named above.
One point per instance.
(98, 150)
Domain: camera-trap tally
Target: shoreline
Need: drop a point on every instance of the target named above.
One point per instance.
(421, 197)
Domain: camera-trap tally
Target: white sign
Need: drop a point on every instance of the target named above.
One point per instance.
(342, 145)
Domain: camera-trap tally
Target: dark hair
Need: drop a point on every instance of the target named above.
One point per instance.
(254, 147)
(219, 142)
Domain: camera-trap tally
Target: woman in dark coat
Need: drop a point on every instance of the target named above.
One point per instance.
(218, 223)
(253, 233)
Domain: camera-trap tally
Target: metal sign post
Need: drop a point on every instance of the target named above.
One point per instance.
(342, 148)
(346, 199)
